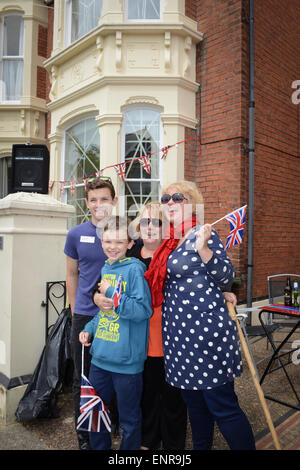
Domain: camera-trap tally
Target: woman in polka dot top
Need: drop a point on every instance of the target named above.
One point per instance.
(201, 346)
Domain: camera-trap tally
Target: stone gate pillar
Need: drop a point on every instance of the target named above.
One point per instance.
(33, 229)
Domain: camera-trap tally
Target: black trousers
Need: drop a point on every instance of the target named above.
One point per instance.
(78, 324)
(164, 413)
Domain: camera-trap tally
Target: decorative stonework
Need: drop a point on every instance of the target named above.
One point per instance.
(53, 91)
(36, 123)
(77, 73)
(118, 50)
(22, 121)
(99, 45)
(143, 55)
(167, 51)
(142, 100)
(187, 61)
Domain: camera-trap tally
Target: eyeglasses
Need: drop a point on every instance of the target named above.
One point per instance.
(176, 197)
(146, 221)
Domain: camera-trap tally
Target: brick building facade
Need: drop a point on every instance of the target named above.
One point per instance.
(219, 164)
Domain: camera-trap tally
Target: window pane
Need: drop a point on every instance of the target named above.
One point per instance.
(81, 213)
(82, 159)
(142, 135)
(82, 150)
(142, 138)
(85, 16)
(13, 35)
(12, 79)
(5, 176)
(139, 193)
(143, 9)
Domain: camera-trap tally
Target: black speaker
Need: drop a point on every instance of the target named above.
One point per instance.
(30, 168)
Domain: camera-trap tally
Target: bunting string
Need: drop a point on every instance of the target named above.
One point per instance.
(120, 168)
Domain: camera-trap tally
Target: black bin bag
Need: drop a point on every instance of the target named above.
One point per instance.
(53, 372)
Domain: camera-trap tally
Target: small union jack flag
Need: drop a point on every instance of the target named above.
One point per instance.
(145, 161)
(118, 292)
(93, 411)
(236, 220)
(120, 169)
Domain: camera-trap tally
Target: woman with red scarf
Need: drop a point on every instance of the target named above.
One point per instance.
(201, 348)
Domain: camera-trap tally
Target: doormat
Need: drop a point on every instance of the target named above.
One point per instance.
(287, 430)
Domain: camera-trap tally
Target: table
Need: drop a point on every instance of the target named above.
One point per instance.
(294, 312)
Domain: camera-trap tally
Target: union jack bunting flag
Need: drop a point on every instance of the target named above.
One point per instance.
(145, 161)
(118, 292)
(236, 220)
(94, 412)
(120, 169)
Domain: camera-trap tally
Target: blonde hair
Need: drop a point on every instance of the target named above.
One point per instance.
(189, 189)
(152, 206)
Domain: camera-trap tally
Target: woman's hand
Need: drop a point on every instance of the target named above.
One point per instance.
(105, 303)
(230, 297)
(203, 235)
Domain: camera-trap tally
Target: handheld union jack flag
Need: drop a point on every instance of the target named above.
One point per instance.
(118, 292)
(93, 411)
(236, 220)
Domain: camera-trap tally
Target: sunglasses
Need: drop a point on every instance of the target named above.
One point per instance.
(176, 197)
(146, 221)
(102, 178)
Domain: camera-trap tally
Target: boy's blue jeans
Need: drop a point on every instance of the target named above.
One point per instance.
(128, 388)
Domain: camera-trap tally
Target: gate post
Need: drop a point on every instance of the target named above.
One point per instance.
(33, 229)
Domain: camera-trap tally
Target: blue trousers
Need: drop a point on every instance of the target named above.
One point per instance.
(218, 404)
(128, 389)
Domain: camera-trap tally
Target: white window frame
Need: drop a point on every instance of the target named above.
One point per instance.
(2, 57)
(5, 164)
(157, 180)
(137, 20)
(68, 24)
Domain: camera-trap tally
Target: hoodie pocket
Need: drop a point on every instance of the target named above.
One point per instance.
(112, 340)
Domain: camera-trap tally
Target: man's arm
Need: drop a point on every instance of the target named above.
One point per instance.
(72, 281)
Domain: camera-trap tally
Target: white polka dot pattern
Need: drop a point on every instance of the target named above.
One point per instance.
(201, 344)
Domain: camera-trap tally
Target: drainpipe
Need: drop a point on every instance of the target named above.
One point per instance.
(251, 155)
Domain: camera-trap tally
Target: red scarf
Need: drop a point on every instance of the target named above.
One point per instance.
(157, 272)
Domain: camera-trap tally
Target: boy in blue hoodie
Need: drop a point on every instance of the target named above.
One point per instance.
(120, 337)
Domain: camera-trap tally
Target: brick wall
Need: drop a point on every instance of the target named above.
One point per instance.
(218, 158)
(220, 167)
(277, 164)
(42, 41)
(41, 82)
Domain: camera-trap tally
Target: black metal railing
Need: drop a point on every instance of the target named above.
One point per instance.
(56, 297)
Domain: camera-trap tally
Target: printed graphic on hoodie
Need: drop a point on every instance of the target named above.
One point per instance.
(108, 326)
